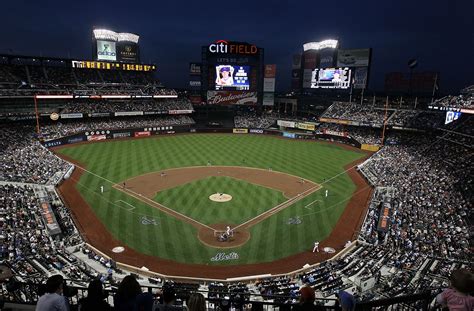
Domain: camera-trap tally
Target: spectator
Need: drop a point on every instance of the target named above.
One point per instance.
(53, 300)
(196, 302)
(458, 297)
(168, 300)
(307, 298)
(346, 301)
(95, 298)
(129, 296)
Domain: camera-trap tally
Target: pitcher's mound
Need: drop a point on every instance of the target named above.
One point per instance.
(220, 197)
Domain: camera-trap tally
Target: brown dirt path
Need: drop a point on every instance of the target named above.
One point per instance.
(95, 233)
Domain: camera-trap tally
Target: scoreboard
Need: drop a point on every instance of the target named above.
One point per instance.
(86, 64)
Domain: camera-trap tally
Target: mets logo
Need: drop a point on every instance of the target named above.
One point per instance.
(148, 221)
(128, 48)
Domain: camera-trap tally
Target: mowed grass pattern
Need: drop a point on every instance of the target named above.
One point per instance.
(192, 199)
(115, 161)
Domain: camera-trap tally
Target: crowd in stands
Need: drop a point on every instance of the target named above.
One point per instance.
(355, 112)
(29, 80)
(110, 106)
(251, 120)
(433, 202)
(59, 129)
(459, 101)
(419, 119)
(24, 159)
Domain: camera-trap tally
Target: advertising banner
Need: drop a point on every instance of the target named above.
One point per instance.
(195, 84)
(106, 50)
(369, 147)
(268, 99)
(310, 59)
(338, 121)
(284, 123)
(96, 137)
(195, 69)
(71, 115)
(256, 131)
(269, 84)
(353, 58)
(295, 79)
(127, 52)
(128, 113)
(231, 98)
(296, 64)
(270, 71)
(121, 135)
(142, 134)
(99, 114)
(240, 131)
(326, 58)
(289, 135)
(360, 78)
(182, 111)
(306, 126)
(53, 143)
(195, 99)
(74, 140)
(307, 76)
(335, 133)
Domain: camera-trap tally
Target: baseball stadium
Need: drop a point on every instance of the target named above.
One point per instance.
(121, 192)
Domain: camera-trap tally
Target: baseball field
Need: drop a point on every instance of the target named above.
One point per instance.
(162, 199)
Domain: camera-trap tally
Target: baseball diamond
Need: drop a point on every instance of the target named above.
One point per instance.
(270, 179)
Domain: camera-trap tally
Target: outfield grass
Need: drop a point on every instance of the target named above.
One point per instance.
(192, 199)
(115, 161)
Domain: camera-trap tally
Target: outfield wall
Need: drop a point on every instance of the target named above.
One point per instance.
(101, 135)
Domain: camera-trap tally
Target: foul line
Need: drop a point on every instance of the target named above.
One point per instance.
(161, 207)
(279, 207)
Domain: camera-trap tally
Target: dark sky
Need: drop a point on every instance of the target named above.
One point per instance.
(440, 34)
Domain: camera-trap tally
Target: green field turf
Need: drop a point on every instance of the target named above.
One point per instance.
(248, 200)
(115, 161)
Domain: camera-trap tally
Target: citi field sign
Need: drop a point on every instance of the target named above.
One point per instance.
(225, 47)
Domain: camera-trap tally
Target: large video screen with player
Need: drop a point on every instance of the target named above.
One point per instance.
(232, 77)
(331, 78)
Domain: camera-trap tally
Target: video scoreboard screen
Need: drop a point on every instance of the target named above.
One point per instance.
(231, 77)
(112, 66)
(331, 78)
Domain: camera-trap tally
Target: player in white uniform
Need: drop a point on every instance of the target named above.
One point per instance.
(101, 189)
(316, 247)
(326, 194)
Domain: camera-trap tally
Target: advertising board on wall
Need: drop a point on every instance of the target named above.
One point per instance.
(353, 58)
(360, 78)
(268, 99)
(96, 137)
(284, 123)
(240, 131)
(142, 134)
(106, 50)
(231, 98)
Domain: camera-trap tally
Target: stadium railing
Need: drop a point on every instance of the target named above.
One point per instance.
(27, 294)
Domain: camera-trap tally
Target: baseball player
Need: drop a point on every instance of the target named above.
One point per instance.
(316, 247)
(101, 189)
(326, 193)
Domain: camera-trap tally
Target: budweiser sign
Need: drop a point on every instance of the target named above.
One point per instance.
(231, 98)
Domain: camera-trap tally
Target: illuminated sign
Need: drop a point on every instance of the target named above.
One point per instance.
(111, 66)
(326, 44)
(225, 47)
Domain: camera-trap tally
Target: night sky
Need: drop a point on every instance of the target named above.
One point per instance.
(440, 34)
